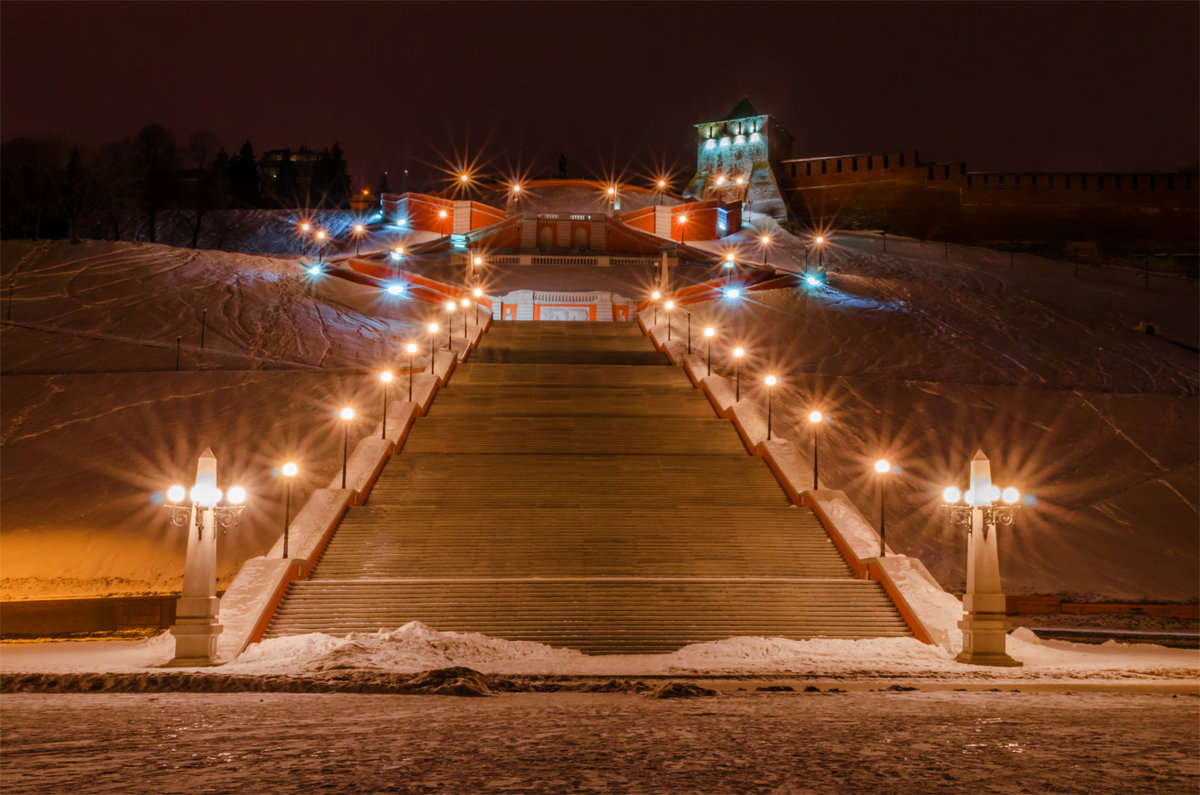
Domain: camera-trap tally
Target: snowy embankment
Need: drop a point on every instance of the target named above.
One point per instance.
(415, 647)
(97, 422)
(922, 359)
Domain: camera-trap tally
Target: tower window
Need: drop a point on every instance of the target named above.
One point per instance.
(945, 171)
(854, 164)
(901, 160)
(824, 166)
(808, 169)
(839, 166)
(870, 163)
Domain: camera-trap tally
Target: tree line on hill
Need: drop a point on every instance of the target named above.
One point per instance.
(51, 188)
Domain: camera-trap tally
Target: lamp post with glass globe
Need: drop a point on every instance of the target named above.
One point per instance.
(770, 381)
(359, 231)
(449, 324)
(196, 624)
(347, 414)
(764, 241)
(669, 305)
(433, 330)
(708, 335)
(386, 379)
(654, 296)
(288, 471)
(815, 418)
(478, 293)
(464, 303)
(985, 621)
(883, 468)
(410, 349)
(738, 353)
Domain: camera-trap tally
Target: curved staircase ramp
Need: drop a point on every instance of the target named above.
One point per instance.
(569, 487)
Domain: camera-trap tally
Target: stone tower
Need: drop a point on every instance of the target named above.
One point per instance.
(745, 145)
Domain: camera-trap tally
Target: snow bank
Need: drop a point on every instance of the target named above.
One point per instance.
(416, 647)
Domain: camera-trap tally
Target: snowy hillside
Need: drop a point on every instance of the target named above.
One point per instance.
(96, 423)
(922, 359)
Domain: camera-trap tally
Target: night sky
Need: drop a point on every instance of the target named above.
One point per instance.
(616, 86)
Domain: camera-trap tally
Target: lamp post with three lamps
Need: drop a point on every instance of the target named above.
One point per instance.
(196, 624)
(985, 621)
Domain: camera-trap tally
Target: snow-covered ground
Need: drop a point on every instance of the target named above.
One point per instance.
(97, 423)
(901, 742)
(416, 647)
(922, 359)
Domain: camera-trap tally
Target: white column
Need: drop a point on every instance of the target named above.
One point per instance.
(985, 623)
(196, 626)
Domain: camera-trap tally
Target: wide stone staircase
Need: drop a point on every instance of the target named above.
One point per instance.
(570, 487)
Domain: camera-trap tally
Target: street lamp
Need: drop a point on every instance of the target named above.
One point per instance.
(346, 414)
(196, 625)
(820, 241)
(321, 236)
(669, 305)
(883, 468)
(708, 335)
(985, 623)
(654, 296)
(464, 303)
(764, 241)
(289, 471)
(386, 378)
(683, 219)
(662, 186)
(478, 293)
(433, 329)
(442, 215)
(815, 418)
(410, 349)
(770, 381)
(359, 230)
(738, 353)
(449, 324)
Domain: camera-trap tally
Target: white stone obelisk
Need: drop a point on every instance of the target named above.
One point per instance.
(196, 626)
(985, 623)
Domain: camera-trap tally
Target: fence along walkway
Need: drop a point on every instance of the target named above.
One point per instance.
(570, 487)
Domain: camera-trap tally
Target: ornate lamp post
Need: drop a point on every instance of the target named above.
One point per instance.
(386, 379)
(815, 419)
(770, 382)
(410, 349)
(985, 623)
(708, 335)
(738, 353)
(196, 624)
(347, 414)
(289, 471)
(884, 469)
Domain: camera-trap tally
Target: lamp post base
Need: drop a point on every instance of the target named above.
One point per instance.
(195, 641)
(984, 638)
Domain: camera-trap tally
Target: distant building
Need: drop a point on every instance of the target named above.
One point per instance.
(271, 167)
(747, 156)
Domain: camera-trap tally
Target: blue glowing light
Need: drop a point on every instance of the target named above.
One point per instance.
(728, 264)
(395, 255)
(724, 142)
(813, 280)
(710, 144)
(721, 226)
(733, 292)
(315, 270)
(754, 138)
(395, 289)
(741, 139)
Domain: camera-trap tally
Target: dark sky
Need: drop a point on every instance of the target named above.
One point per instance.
(1020, 86)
